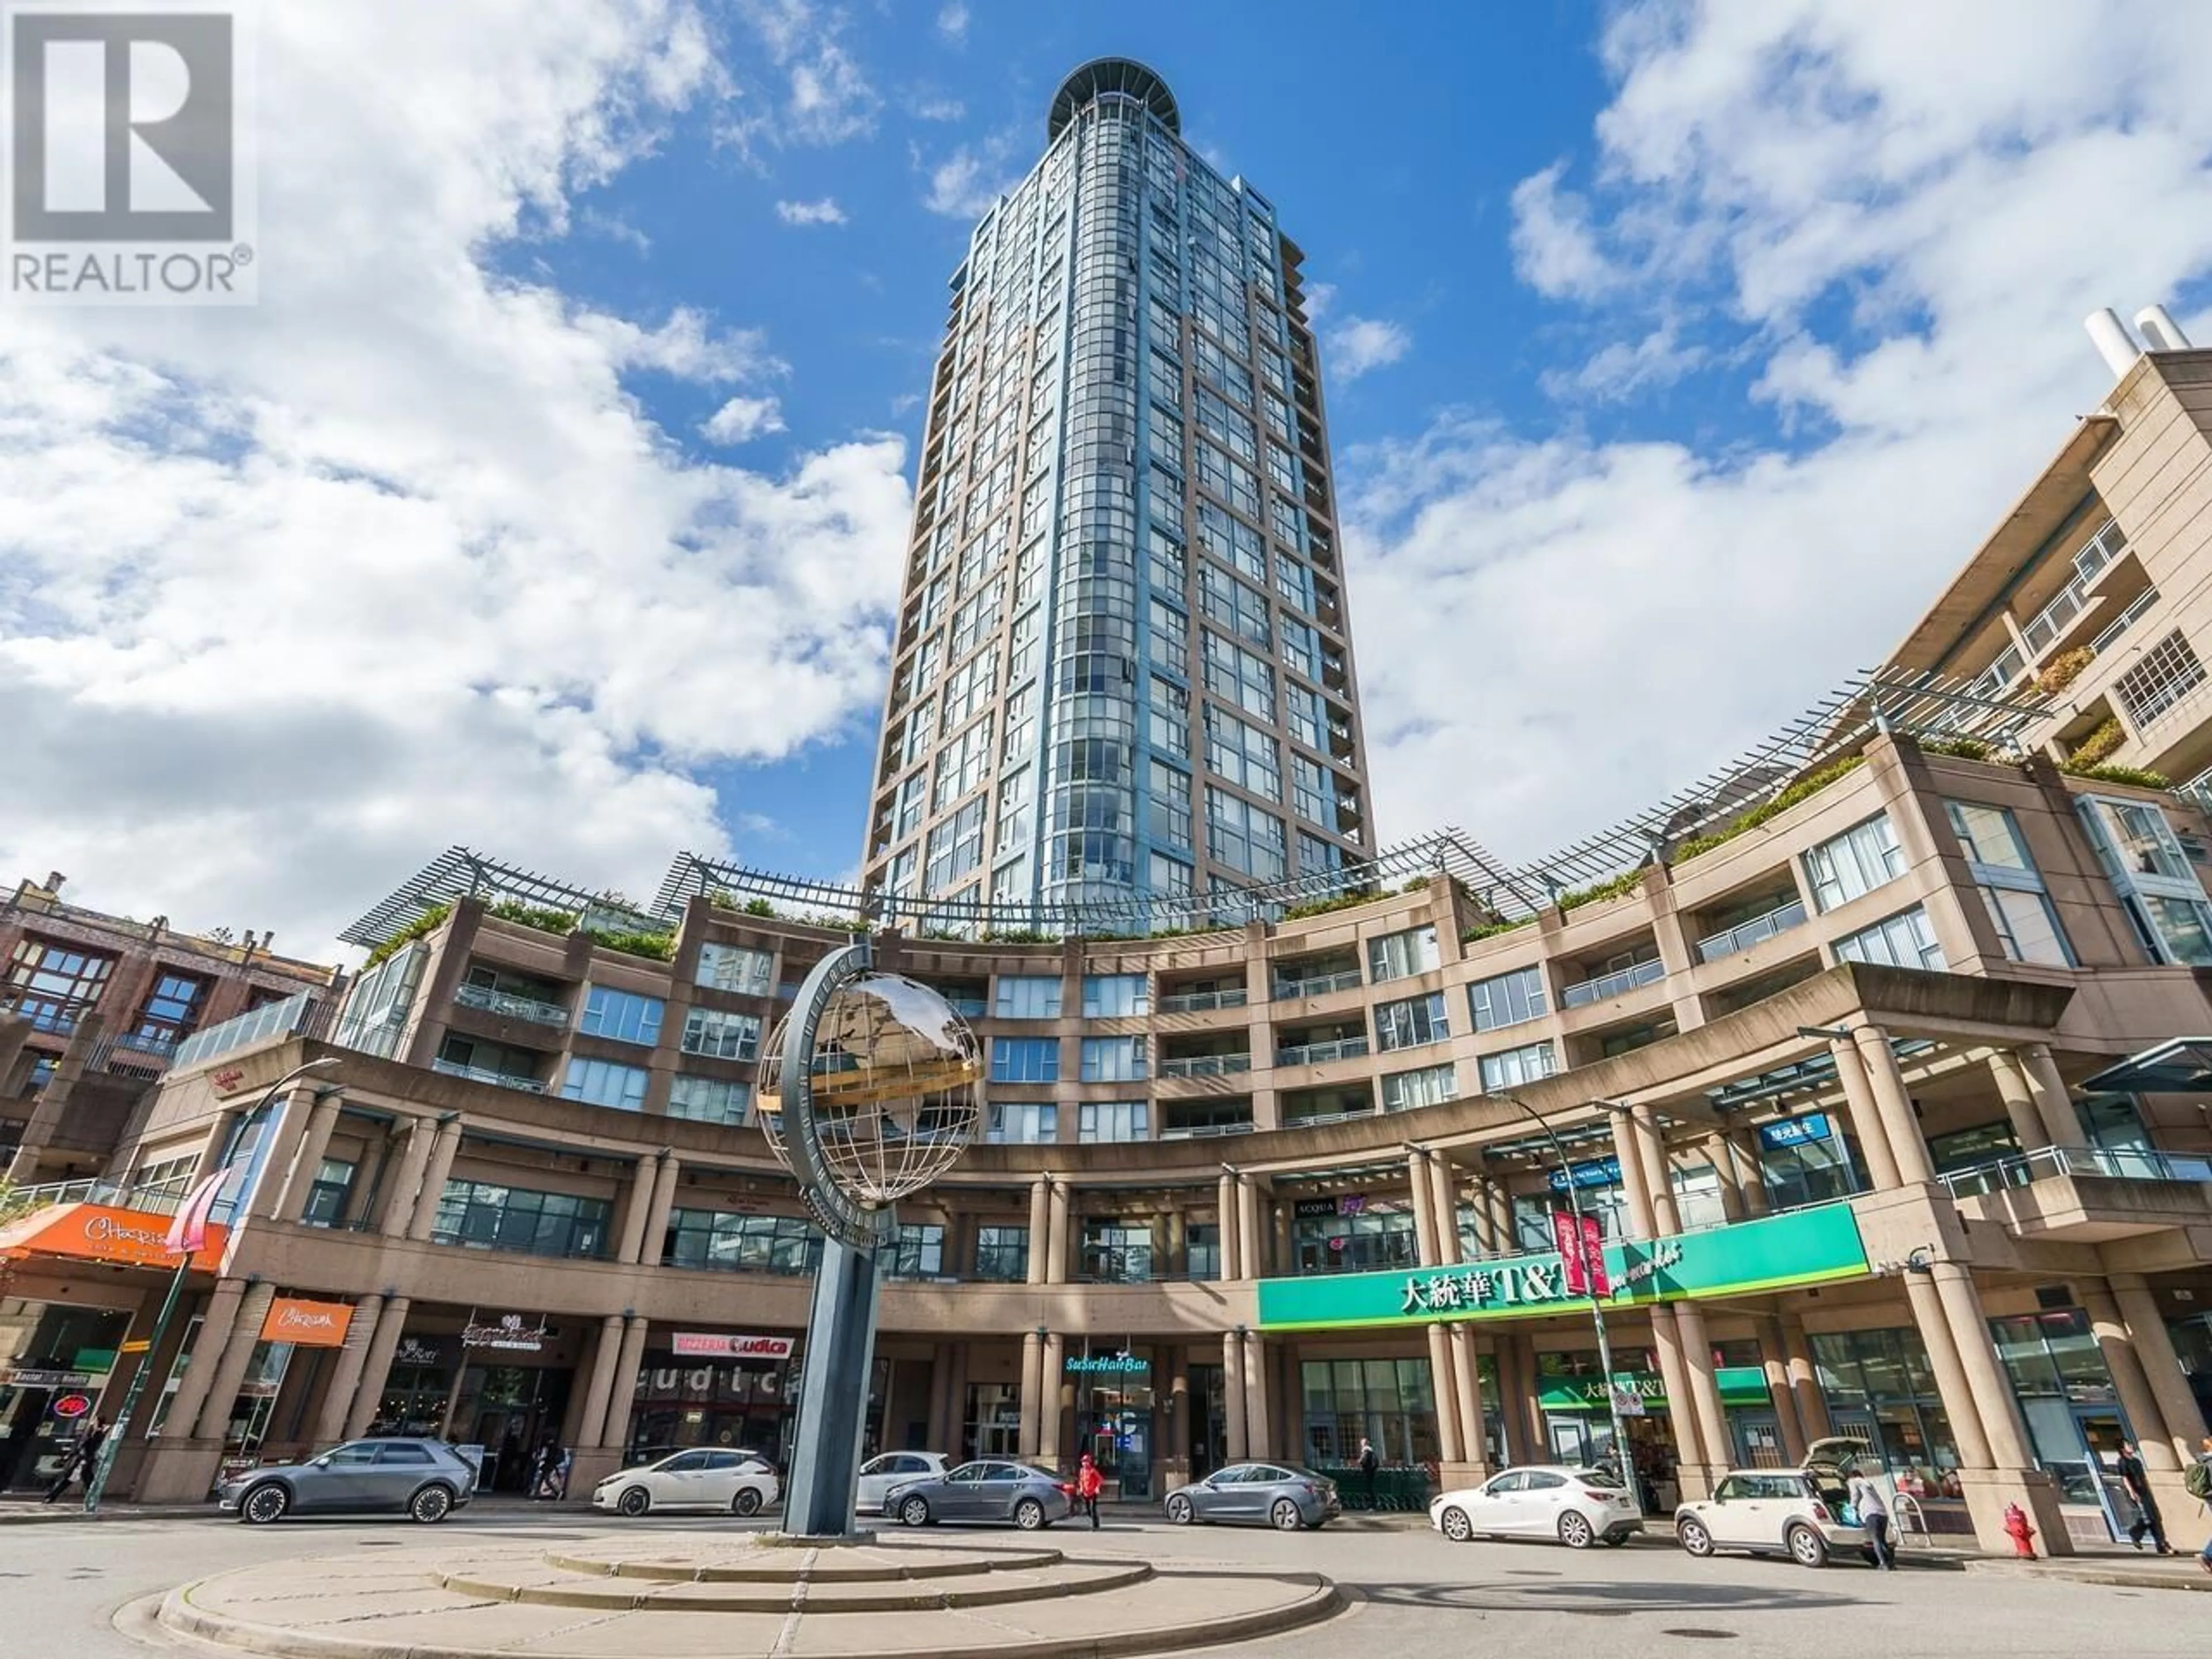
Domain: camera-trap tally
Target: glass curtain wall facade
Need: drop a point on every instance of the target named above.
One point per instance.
(1123, 594)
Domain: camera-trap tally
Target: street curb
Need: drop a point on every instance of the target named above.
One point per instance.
(53, 1517)
(2119, 1577)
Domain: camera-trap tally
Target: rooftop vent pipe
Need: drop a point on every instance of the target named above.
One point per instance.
(2159, 332)
(2114, 343)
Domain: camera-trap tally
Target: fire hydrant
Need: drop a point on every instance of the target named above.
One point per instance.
(2021, 1533)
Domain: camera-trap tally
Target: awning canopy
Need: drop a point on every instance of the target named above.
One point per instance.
(102, 1232)
(2182, 1066)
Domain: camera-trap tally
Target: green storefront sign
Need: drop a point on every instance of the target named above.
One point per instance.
(1806, 1247)
(1741, 1385)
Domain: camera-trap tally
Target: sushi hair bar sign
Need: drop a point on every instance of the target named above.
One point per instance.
(1806, 1247)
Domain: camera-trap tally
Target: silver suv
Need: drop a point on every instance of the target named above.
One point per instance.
(425, 1480)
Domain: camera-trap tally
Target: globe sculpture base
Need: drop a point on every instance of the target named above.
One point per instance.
(833, 1394)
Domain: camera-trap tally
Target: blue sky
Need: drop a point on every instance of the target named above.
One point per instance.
(553, 497)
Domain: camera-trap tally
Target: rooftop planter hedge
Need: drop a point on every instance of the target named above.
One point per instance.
(2140, 777)
(2097, 746)
(429, 922)
(1321, 906)
(1804, 789)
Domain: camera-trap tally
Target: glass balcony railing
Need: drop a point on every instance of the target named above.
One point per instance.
(529, 1085)
(1745, 934)
(2121, 1163)
(1205, 1066)
(1307, 1120)
(510, 1006)
(1206, 1131)
(1320, 985)
(1614, 984)
(1318, 1054)
(1198, 1002)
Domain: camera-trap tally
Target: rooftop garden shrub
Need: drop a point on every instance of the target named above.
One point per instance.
(429, 922)
(533, 916)
(1321, 906)
(2063, 670)
(2140, 777)
(1618, 886)
(2097, 744)
(1804, 789)
(660, 947)
(1957, 748)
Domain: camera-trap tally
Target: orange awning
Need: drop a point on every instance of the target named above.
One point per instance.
(102, 1232)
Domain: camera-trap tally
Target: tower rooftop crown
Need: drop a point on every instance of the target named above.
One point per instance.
(1104, 75)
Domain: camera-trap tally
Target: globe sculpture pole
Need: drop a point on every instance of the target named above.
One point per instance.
(869, 1095)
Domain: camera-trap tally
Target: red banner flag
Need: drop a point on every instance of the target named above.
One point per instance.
(1570, 1245)
(1595, 1275)
(188, 1232)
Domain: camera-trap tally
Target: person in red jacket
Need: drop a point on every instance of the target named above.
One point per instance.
(1089, 1483)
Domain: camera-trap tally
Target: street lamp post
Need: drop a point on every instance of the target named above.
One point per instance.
(1596, 1306)
(112, 1446)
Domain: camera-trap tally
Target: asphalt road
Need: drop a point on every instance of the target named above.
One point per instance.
(1414, 1595)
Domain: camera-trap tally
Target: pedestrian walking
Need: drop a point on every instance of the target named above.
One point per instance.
(2197, 1483)
(1089, 1483)
(80, 1460)
(550, 1459)
(2136, 1479)
(1866, 1501)
(1369, 1462)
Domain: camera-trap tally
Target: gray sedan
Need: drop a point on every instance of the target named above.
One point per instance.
(1278, 1495)
(425, 1480)
(1006, 1492)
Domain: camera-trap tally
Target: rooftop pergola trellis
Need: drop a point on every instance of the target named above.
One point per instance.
(1914, 703)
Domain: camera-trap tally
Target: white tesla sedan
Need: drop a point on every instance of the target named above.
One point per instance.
(1577, 1507)
(703, 1478)
(880, 1473)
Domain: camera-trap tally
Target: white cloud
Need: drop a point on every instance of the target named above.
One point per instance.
(940, 109)
(1363, 344)
(290, 597)
(966, 184)
(1620, 368)
(1319, 297)
(1891, 219)
(824, 96)
(952, 22)
(742, 419)
(823, 212)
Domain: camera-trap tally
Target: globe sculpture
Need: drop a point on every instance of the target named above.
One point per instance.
(871, 1090)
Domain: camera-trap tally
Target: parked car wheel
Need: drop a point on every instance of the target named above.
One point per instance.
(747, 1502)
(1286, 1516)
(263, 1504)
(1455, 1525)
(1695, 1539)
(1806, 1548)
(431, 1505)
(1029, 1514)
(635, 1501)
(914, 1512)
(1575, 1531)
(1179, 1511)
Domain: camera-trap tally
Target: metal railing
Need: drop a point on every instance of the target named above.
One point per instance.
(508, 1005)
(1612, 985)
(529, 1085)
(1206, 1131)
(1317, 1053)
(1320, 985)
(1745, 934)
(2129, 1164)
(1306, 1119)
(296, 1016)
(162, 1198)
(1198, 1002)
(1205, 1066)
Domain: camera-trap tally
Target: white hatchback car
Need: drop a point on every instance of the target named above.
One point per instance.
(702, 1478)
(1767, 1512)
(1578, 1507)
(880, 1473)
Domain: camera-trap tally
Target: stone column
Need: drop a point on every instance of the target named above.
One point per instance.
(1642, 1221)
(1865, 1116)
(2014, 1478)
(217, 1320)
(1425, 1223)
(1251, 1255)
(2054, 1100)
(1032, 1391)
(2011, 1081)
(1443, 1384)
(940, 1395)
(956, 1393)
(1478, 1193)
(407, 1179)
(614, 1430)
(1776, 1364)
(1467, 1382)
(440, 1166)
(1056, 1239)
(1259, 1418)
(2169, 1386)
(1174, 1260)
(291, 1201)
(1516, 1390)
(1177, 1460)
(345, 1372)
(1704, 1390)
(2130, 1380)
(635, 1205)
(1755, 1201)
(1951, 1385)
(1658, 1171)
(1804, 1379)
(1052, 1377)
(1906, 1144)
(1444, 1197)
(391, 1320)
(1232, 1397)
(237, 1353)
(606, 1354)
(663, 1202)
(1040, 1227)
(1720, 1152)
(1681, 1402)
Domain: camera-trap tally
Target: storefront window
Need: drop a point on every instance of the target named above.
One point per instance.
(741, 1243)
(744, 1403)
(1002, 1255)
(1800, 1168)
(1114, 1423)
(994, 1426)
(917, 1252)
(1203, 1247)
(2057, 1372)
(1116, 1253)
(1968, 1149)
(1388, 1402)
(1329, 1236)
(1880, 1390)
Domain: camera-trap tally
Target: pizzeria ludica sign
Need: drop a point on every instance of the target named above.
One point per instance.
(1806, 1247)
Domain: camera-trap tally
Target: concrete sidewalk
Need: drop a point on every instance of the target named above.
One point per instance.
(2123, 1568)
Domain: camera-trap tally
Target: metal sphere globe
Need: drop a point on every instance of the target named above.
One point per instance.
(897, 1088)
